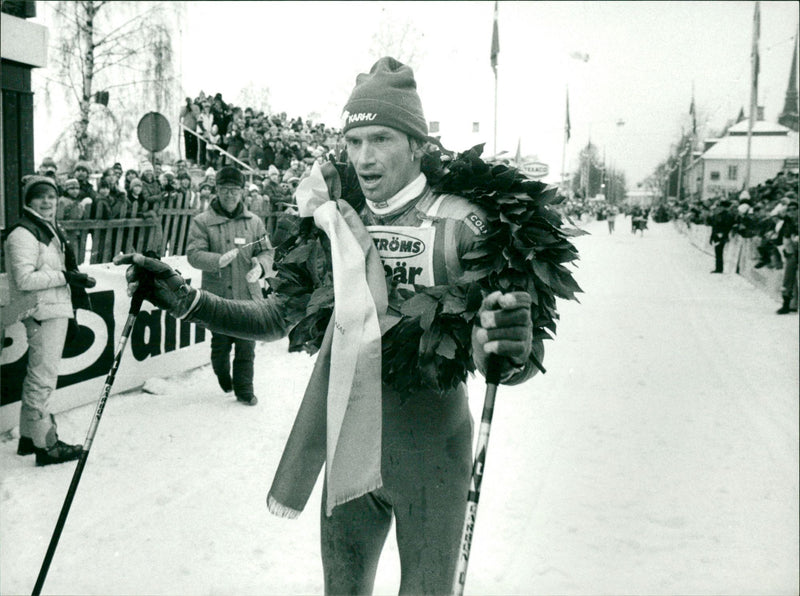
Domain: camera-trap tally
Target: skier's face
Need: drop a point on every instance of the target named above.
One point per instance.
(384, 159)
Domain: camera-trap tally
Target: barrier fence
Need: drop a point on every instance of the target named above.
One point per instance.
(740, 256)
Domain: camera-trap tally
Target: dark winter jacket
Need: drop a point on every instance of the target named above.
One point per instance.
(213, 233)
(721, 223)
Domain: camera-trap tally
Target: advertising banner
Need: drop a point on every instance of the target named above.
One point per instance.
(159, 345)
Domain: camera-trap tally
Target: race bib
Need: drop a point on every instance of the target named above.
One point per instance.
(406, 253)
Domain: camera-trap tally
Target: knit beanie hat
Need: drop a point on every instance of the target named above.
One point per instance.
(136, 182)
(230, 175)
(82, 165)
(72, 183)
(32, 182)
(386, 96)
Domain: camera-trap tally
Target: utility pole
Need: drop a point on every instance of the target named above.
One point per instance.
(754, 68)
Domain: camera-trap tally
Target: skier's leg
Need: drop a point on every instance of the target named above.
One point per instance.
(351, 540)
(426, 465)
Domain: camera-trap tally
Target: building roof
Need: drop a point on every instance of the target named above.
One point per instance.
(775, 146)
(760, 127)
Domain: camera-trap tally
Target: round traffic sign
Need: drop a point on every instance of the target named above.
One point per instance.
(153, 132)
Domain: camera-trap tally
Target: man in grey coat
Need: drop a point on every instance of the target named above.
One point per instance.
(228, 244)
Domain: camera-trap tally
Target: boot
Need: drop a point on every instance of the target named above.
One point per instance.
(785, 308)
(247, 399)
(57, 454)
(25, 446)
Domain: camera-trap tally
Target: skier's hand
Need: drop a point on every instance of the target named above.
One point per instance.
(332, 180)
(505, 329)
(227, 258)
(161, 284)
(255, 273)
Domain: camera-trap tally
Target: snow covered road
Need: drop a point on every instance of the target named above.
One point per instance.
(658, 455)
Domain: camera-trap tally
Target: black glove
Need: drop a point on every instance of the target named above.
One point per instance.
(505, 329)
(79, 280)
(160, 284)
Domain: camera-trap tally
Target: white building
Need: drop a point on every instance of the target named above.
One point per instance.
(722, 167)
(642, 197)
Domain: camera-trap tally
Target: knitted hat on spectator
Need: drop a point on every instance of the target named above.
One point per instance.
(32, 182)
(49, 164)
(136, 182)
(146, 167)
(82, 165)
(252, 188)
(273, 170)
(206, 184)
(386, 96)
(71, 183)
(230, 175)
(211, 172)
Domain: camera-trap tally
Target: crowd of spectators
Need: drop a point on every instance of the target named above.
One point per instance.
(758, 213)
(216, 133)
(273, 150)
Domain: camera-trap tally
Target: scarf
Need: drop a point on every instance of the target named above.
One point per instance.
(403, 197)
(339, 420)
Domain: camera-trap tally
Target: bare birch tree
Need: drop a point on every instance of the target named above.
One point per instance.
(398, 39)
(110, 58)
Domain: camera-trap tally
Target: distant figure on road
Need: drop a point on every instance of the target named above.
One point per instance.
(638, 220)
(721, 223)
(787, 236)
(611, 216)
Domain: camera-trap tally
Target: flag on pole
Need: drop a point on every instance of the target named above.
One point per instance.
(693, 114)
(754, 54)
(495, 41)
(566, 121)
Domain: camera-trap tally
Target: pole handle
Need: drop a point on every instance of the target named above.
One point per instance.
(136, 302)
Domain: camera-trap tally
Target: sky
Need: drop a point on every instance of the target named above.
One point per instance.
(630, 96)
(627, 468)
(644, 59)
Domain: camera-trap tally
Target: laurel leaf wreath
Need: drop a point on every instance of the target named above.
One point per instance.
(528, 247)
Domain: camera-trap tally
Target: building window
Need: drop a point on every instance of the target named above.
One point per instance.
(732, 171)
(714, 176)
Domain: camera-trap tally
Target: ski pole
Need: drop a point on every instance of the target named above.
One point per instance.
(492, 380)
(136, 305)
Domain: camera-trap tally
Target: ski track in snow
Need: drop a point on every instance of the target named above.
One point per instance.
(658, 455)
